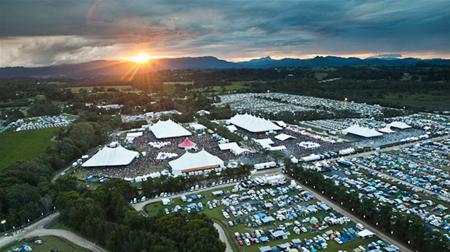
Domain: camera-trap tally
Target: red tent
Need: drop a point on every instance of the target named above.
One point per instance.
(187, 143)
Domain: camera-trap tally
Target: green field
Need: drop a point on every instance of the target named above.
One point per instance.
(49, 243)
(23, 145)
(220, 89)
(428, 101)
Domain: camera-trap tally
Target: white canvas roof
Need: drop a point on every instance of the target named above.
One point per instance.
(233, 147)
(252, 123)
(265, 143)
(361, 131)
(168, 129)
(111, 155)
(399, 125)
(195, 161)
(231, 128)
(386, 129)
(283, 137)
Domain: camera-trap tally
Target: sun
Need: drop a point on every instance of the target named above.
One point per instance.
(141, 58)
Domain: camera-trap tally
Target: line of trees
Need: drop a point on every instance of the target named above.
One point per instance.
(408, 228)
(26, 191)
(104, 216)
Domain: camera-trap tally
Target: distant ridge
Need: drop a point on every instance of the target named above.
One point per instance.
(111, 67)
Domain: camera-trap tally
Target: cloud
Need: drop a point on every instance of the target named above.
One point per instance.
(43, 32)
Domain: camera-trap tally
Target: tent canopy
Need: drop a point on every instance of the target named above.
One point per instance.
(361, 131)
(111, 155)
(187, 143)
(399, 125)
(252, 123)
(189, 162)
(168, 129)
(284, 137)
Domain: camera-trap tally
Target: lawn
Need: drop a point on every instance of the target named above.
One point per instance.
(49, 243)
(428, 101)
(23, 145)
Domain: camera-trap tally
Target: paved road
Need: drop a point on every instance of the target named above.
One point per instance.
(20, 234)
(65, 234)
(223, 237)
(38, 229)
(356, 219)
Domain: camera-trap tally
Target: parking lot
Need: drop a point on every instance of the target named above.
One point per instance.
(271, 213)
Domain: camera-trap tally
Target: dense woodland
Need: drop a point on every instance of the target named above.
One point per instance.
(105, 216)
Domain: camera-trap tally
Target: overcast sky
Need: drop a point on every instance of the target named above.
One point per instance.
(43, 32)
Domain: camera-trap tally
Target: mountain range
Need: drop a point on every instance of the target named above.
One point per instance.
(113, 67)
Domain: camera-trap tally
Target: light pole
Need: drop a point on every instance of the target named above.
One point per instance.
(3, 223)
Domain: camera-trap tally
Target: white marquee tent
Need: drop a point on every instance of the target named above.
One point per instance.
(252, 123)
(386, 130)
(168, 129)
(233, 147)
(111, 155)
(191, 162)
(399, 125)
(361, 131)
(284, 137)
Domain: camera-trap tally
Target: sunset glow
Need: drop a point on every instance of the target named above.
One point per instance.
(141, 58)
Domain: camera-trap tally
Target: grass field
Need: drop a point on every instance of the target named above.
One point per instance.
(418, 101)
(234, 87)
(23, 145)
(49, 243)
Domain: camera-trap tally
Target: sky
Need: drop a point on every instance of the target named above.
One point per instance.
(46, 32)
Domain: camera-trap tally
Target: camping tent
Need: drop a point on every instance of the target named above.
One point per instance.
(191, 162)
(111, 155)
(361, 131)
(168, 129)
(252, 123)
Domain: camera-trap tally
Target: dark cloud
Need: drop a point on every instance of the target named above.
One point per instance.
(69, 30)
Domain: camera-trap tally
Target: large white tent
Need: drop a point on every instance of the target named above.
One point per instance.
(111, 155)
(191, 162)
(168, 129)
(233, 147)
(361, 131)
(252, 123)
(399, 125)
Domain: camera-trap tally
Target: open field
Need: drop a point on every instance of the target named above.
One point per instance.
(219, 89)
(178, 83)
(417, 101)
(49, 243)
(24, 145)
